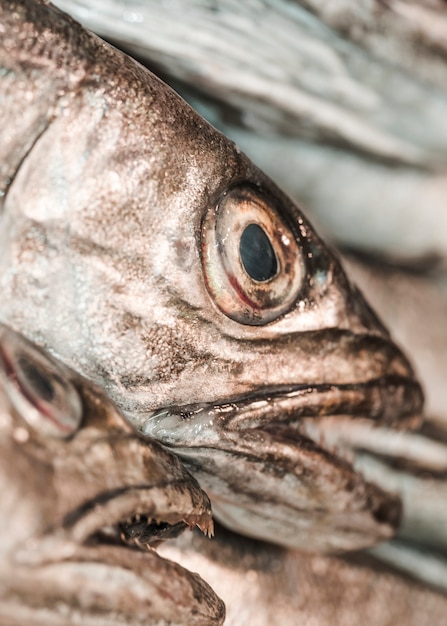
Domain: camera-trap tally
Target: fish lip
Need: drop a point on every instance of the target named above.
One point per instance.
(115, 507)
(392, 400)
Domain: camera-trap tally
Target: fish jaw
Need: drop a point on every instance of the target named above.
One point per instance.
(265, 463)
(260, 482)
(106, 585)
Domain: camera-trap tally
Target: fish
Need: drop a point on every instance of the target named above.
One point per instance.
(146, 251)
(77, 485)
(265, 584)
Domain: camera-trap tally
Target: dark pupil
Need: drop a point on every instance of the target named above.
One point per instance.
(38, 382)
(257, 254)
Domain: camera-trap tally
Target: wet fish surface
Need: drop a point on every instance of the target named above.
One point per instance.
(150, 254)
(77, 483)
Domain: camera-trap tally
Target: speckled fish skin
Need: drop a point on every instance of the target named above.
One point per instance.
(107, 178)
(58, 494)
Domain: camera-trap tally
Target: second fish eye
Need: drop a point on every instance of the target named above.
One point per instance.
(38, 387)
(251, 257)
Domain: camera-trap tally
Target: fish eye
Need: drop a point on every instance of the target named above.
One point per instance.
(38, 387)
(251, 258)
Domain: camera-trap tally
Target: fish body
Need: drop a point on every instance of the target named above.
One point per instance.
(74, 476)
(127, 249)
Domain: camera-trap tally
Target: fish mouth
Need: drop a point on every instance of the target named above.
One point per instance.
(139, 516)
(271, 476)
(392, 400)
(108, 560)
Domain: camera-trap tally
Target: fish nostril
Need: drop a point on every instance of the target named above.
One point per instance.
(389, 512)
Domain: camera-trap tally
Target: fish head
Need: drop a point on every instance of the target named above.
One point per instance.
(80, 491)
(154, 257)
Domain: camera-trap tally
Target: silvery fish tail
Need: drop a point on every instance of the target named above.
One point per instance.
(148, 253)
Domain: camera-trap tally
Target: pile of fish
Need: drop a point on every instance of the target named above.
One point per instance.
(172, 279)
